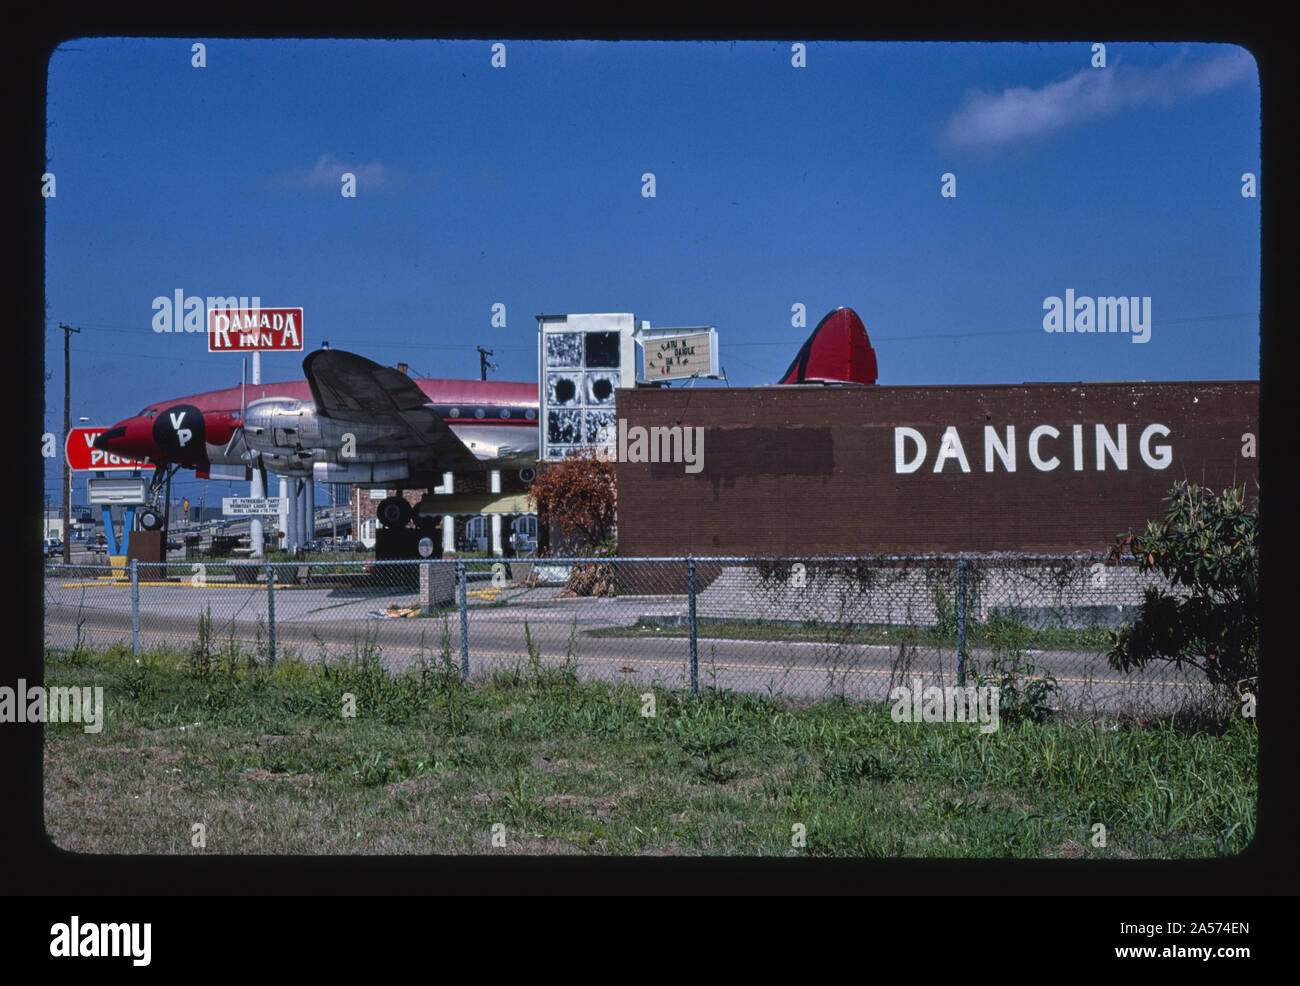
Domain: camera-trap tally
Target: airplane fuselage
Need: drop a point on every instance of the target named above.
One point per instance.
(496, 421)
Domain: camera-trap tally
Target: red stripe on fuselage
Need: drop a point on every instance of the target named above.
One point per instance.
(469, 392)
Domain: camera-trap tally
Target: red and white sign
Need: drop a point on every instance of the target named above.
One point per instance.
(82, 454)
(244, 330)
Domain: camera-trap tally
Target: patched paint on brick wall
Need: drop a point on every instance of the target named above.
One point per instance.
(815, 470)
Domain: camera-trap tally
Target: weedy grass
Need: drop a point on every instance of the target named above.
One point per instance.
(267, 759)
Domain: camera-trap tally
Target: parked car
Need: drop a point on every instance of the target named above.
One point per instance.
(53, 546)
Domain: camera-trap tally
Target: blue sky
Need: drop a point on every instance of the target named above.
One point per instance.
(775, 185)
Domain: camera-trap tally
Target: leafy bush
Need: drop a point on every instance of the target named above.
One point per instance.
(1207, 545)
(578, 494)
(1024, 690)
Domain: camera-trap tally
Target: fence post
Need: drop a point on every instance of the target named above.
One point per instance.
(461, 581)
(961, 622)
(695, 655)
(135, 608)
(270, 611)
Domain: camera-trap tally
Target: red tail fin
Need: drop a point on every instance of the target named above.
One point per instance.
(838, 351)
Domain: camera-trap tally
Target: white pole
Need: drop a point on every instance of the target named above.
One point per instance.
(284, 509)
(309, 508)
(494, 486)
(448, 521)
(256, 488)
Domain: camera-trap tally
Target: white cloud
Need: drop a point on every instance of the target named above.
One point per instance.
(328, 172)
(990, 119)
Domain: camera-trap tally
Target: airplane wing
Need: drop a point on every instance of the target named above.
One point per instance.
(348, 387)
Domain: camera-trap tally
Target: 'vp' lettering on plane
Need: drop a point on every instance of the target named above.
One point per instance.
(183, 435)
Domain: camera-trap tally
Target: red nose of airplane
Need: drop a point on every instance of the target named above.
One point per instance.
(180, 433)
(131, 439)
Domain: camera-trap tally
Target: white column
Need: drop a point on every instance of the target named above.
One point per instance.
(284, 509)
(291, 538)
(494, 486)
(256, 489)
(309, 508)
(448, 521)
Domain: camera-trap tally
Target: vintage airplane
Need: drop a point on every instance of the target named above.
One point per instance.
(355, 421)
(351, 421)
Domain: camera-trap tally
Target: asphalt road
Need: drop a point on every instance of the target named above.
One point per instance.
(339, 621)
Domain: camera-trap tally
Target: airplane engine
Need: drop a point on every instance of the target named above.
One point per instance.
(283, 433)
(280, 426)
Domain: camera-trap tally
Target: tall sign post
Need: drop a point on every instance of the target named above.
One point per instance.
(244, 330)
(67, 431)
(80, 455)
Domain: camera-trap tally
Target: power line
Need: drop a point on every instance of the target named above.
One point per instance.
(118, 327)
(1008, 332)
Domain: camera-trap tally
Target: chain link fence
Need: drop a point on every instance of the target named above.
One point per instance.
(800, 628)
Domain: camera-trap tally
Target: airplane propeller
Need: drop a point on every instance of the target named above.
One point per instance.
(249, 455)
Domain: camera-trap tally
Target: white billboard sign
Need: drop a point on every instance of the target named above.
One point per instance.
(677, 354)
(113, 490)
(250, 506)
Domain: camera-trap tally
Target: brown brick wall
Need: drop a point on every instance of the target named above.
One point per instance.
(810, 470)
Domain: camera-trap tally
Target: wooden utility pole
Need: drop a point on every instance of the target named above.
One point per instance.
(67, 428)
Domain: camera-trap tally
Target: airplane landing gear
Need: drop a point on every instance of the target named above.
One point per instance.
(150, 517)
(394, 512)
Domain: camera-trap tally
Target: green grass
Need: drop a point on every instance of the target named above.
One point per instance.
(264, 759)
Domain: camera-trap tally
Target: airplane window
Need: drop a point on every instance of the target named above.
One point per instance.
(454, 413)
(478, 412)
(505, 412)
(530, 414)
